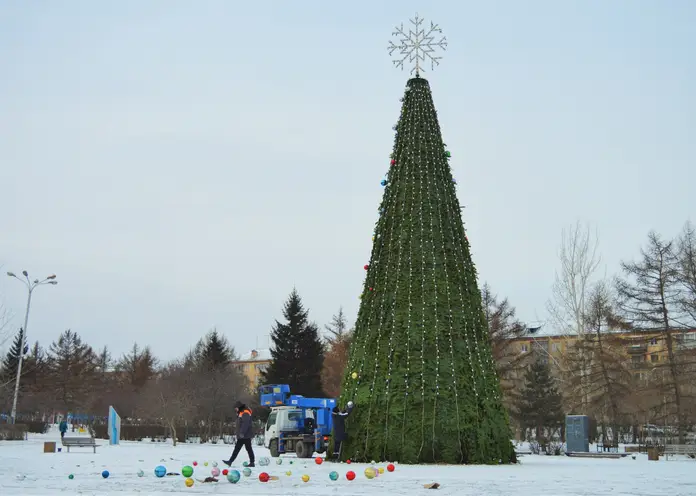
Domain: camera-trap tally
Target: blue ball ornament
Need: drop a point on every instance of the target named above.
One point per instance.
(384, 182)
(105, 474)
(233, 476)
(160, 471)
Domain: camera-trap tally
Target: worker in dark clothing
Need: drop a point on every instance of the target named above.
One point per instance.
(245, 432)
(339, 428)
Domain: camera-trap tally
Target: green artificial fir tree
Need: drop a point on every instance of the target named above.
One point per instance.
(421, 372)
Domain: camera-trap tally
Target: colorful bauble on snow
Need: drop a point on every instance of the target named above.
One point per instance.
(215, 464)
(245, 464)
(188, 482)
(187, 471)
(264, 461)
(215, 472)
(350, 475)
(233, 476)
(380, 470)
(71, 476)
(263, 477)
(333, 475)
(383, 182)
(370, 473)
(305, 478)
(288, 473)
(195, 463)
(279, 461)
(225, 472)
(348, 461)
(318, 460)
(205, 464)
(390, 467)
(160, 471)
(105, 474)
(246, 472)
(141, 473)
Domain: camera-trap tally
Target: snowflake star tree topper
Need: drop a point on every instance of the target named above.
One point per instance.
(418, 45)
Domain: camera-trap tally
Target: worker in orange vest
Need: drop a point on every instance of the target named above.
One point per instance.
(244, 434)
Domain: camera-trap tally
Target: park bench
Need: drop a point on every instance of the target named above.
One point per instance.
(79, 442)
(608, 447)
(680, 449)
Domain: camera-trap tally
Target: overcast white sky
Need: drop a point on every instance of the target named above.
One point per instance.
(181, 165)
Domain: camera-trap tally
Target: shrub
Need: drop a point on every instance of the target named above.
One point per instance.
(37, 427)
(13, 432)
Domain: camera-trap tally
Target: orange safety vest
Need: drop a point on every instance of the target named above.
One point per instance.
(245, 411)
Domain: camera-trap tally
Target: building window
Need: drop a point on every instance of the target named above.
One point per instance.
(524, 348)
(654, 357)
(556, 347)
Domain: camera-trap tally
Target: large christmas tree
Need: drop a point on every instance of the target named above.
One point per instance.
(421, 372)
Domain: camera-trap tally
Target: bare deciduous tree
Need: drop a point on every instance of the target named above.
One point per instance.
(169, 398)
(687, 272)
(579, 258)
(503, 328)
(601, 350)
(650, 297)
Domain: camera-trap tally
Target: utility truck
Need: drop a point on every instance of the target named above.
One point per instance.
(296, 424)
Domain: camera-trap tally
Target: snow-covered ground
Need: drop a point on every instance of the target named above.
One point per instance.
(26, 470)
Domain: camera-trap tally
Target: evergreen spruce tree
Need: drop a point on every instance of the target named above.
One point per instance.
(216, 352)
(540, 406)
(297, 352)
(71, 370)
(11, 360)
(421, 373)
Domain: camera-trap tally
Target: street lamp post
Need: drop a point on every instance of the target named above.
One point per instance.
(31, 286)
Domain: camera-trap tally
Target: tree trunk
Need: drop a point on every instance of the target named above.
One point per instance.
(613, 407)
(681, 427)
(172, 428)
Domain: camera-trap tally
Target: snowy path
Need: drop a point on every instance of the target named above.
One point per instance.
(26, 470)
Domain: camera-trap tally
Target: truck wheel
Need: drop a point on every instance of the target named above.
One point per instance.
(273, 448)
(302, 450)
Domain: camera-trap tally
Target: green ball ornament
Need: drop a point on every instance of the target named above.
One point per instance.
(333, 476)
(187, 471)
(279, 461)
(246, 472)
(245, 464)
(71, 476)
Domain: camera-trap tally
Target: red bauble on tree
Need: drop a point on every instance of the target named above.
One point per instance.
(366, 266)
(392, 162)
